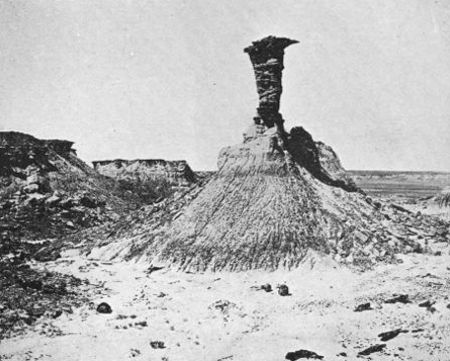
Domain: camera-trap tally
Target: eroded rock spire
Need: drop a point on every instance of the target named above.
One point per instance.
(267, 56)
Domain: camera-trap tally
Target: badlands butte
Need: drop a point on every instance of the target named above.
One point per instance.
(149, 254)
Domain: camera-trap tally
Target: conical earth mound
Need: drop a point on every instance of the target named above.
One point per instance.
(276, 197)
(260, 212)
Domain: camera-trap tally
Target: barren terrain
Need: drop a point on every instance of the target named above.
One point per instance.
(227, 316)
(219, 316)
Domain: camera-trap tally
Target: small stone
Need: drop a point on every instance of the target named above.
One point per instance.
(363, 307)
(70, 224)
(267, 287)
(157, 344)
(296, 355)
(141, 323)
(399, 298)
(372, 349)
(283, 290)
(389, 335)
(104, 308)
(427, 303)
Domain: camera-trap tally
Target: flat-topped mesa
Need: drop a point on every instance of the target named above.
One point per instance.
(176, 172)
(267, 56)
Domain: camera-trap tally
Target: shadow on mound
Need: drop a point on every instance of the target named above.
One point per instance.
(306, 153)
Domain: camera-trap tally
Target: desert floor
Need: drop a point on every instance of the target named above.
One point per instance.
(224, 316)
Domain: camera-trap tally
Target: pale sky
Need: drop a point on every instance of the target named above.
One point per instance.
(169, 79)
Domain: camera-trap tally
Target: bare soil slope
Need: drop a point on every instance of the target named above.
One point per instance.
(267, 209)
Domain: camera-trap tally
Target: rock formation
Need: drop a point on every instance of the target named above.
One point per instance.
(46, 191)
(297, 146)
(267, 57)
(269, 204)
(177, 173)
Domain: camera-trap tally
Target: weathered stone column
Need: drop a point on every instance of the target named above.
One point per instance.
(267, 56)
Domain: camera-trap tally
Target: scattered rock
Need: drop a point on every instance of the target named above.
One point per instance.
(157, 344)
(417, 330)
(141, 323)
(372, 349)
(427, 303)
(283, 290)
(267, 287)
(104, 308)
(223, 305)
(152, 269)
(399, 299)
(389, 335)
(363, 307)
(28, 294)
(135, 352)
(296, 355)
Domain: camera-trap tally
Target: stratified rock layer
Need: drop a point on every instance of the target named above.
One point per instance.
(46, 191)
(267, 56)
(175, 172)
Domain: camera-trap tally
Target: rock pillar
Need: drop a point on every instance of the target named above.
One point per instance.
(267, 56)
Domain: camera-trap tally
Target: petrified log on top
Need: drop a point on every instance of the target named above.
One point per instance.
(267, 56)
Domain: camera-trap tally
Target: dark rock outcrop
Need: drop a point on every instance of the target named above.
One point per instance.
(298, 146)
(267, 57)
(319, 159)
(62, 147)
(20, 151)
(46, 191)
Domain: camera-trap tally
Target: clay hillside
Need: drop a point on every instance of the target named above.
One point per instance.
(150, 180)
(47, 191)
(276, 197)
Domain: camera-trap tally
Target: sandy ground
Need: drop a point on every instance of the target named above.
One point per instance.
(221, 316)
